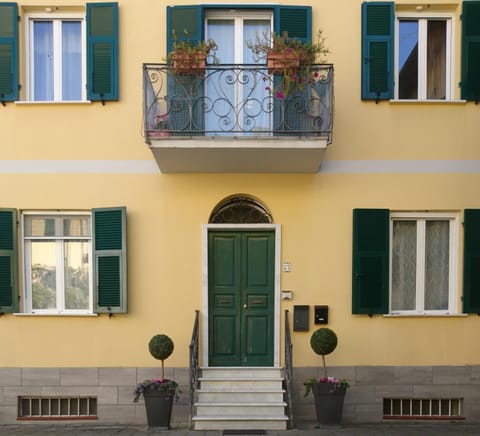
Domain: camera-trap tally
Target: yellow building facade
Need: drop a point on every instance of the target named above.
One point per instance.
(358, 190)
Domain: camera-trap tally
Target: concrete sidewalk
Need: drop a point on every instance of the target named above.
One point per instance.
(383, 429)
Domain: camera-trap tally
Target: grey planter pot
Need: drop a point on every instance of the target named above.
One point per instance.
(328, 403)
(159, 408)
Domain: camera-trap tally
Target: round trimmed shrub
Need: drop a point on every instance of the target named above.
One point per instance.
(160, 347)
(323, 341)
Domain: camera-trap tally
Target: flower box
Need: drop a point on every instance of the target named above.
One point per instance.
(155, 134)
(281, 62)
(189, 63)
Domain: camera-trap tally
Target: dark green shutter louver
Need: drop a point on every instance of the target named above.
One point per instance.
(471, 261)
(110, 260)
(102, 51)
(377, 50)
(8, 261)
(8, 52)
(471, 51)
(295, 20)
(370, 268)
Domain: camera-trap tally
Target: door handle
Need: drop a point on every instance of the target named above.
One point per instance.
(244, 306)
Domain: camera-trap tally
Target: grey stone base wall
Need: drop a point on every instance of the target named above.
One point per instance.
(114, 387)
(369, 385)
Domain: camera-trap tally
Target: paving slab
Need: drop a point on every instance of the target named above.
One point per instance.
(382, 429)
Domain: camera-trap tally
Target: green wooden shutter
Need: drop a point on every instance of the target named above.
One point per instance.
(102, 51)
(471, 261)
(8, 261)
(8, 52)
(471, 51)
(370, 261)
(110, 260)
(185, 93)
(185, 23)
(295, 20)
(377, 50)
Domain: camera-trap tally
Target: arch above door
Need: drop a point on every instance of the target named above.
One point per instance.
(240, 209)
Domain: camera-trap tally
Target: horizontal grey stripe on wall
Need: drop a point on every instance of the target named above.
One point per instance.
(78, 166)
(327, 167)
(400, 166)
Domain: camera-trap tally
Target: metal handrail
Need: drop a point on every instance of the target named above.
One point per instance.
(288, 371)
(194, 367)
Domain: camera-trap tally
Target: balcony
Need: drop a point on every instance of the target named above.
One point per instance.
(237, 119)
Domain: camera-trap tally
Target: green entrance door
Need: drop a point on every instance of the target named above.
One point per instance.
(241, 297)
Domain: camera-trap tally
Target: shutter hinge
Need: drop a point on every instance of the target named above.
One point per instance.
(2, 100)
(19, 18)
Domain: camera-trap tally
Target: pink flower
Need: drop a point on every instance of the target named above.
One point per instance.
(279, 94)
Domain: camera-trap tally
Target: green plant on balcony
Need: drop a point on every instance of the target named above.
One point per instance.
(188, 57)
(289, 58)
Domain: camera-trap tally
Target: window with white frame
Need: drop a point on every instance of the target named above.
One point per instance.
(423, 263)
(56, 57)
(57, 262)
(424, 57)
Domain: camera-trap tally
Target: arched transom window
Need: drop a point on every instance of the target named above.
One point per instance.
(240, 209)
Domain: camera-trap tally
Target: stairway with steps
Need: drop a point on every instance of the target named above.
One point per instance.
(238, 398)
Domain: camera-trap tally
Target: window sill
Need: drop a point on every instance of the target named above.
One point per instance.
(422, 102)
(76, 102)
(426, 315)
(57, 314)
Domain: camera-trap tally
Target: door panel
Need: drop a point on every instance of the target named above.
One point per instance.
(224, 299)
(241, 298)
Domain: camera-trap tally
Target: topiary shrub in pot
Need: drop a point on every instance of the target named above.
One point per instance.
(328, 392)
(158, 393)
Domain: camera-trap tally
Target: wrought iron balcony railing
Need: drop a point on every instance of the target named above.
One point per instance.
(241, 101)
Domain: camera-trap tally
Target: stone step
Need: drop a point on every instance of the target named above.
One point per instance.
(242, 396)
(240, 409)
(224, 422)
(233, 371)
(241, 383)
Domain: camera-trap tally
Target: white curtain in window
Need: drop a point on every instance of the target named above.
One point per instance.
(257, 108)
(404, 265)
(43, 60)
(71, 61)
(437, 248)
(241, 104)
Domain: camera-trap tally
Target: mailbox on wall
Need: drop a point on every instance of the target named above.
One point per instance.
(301, 318)
(321, 314)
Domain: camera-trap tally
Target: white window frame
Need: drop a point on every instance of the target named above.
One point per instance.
(27, 262)
(422, 19)
(238, 16)
(56, 18)
(421, 218)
